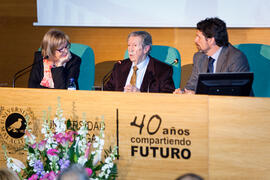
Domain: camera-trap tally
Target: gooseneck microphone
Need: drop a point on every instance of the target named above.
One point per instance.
(19, 74)
(107, 76)
(174, 62)
(23, 71)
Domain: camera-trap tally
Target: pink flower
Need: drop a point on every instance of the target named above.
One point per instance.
(30, 137)
(69, 135)
(89, 171)
(52, 152)
(63, 139)
(49, 176)
(41, 145)
(33, 177)
(87, 150)
(59, 137)
(34, 146)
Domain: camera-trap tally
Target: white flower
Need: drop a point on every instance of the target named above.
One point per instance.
(97, 139)
(101, 142)
(45, 127)
(81, 145)
(108, 164)
(101, 174)
(111, 165)
(59, 120)
(97, 157)
(104, 167)
(15, 164)
(32, 159)
(51, 143)
(82, 160)
(108, 160)
(53, 158)
(83, 130)
(95, 145)
(60, 126)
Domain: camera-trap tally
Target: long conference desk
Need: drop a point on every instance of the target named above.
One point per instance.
(160, 136)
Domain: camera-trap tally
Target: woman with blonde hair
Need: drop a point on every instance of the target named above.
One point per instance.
(54, 65)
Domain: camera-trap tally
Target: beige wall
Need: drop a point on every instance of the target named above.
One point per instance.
(19, 40)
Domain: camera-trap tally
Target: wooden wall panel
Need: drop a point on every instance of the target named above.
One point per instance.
(19, 40)
(239, 138)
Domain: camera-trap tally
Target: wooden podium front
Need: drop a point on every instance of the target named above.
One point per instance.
(160, 136)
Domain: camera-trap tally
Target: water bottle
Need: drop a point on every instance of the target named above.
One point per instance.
(71, 84)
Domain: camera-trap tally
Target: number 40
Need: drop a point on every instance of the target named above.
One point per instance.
(134, 123)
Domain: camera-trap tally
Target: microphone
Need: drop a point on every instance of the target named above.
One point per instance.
(175, 62)
(22, 72)
(107, 76)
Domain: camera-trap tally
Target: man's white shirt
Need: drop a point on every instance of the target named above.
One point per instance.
(140, 72)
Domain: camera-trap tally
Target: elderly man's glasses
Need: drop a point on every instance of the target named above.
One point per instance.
(61, 50)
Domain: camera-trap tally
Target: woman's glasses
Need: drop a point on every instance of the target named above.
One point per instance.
(61, 50)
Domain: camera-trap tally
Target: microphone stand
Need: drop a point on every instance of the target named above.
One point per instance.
(19, 74)
(107, 76)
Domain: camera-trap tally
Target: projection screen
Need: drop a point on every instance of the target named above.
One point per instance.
(151, 13)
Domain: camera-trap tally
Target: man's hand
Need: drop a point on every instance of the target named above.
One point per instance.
(186, 91)
(178, 91)
(130, 88)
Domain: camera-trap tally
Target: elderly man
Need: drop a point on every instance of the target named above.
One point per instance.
(140, 72)
(215, 54)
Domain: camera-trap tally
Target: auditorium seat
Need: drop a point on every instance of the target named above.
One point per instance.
(258, 56)
(168, 55)
(87, 69)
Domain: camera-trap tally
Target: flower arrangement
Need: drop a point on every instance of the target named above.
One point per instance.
(62, 147)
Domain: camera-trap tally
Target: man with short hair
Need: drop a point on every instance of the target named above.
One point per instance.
(140, 72)
(215, 54)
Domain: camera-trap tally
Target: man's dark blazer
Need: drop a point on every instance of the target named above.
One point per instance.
(157, 77)
(61, 75)
(230, 60)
